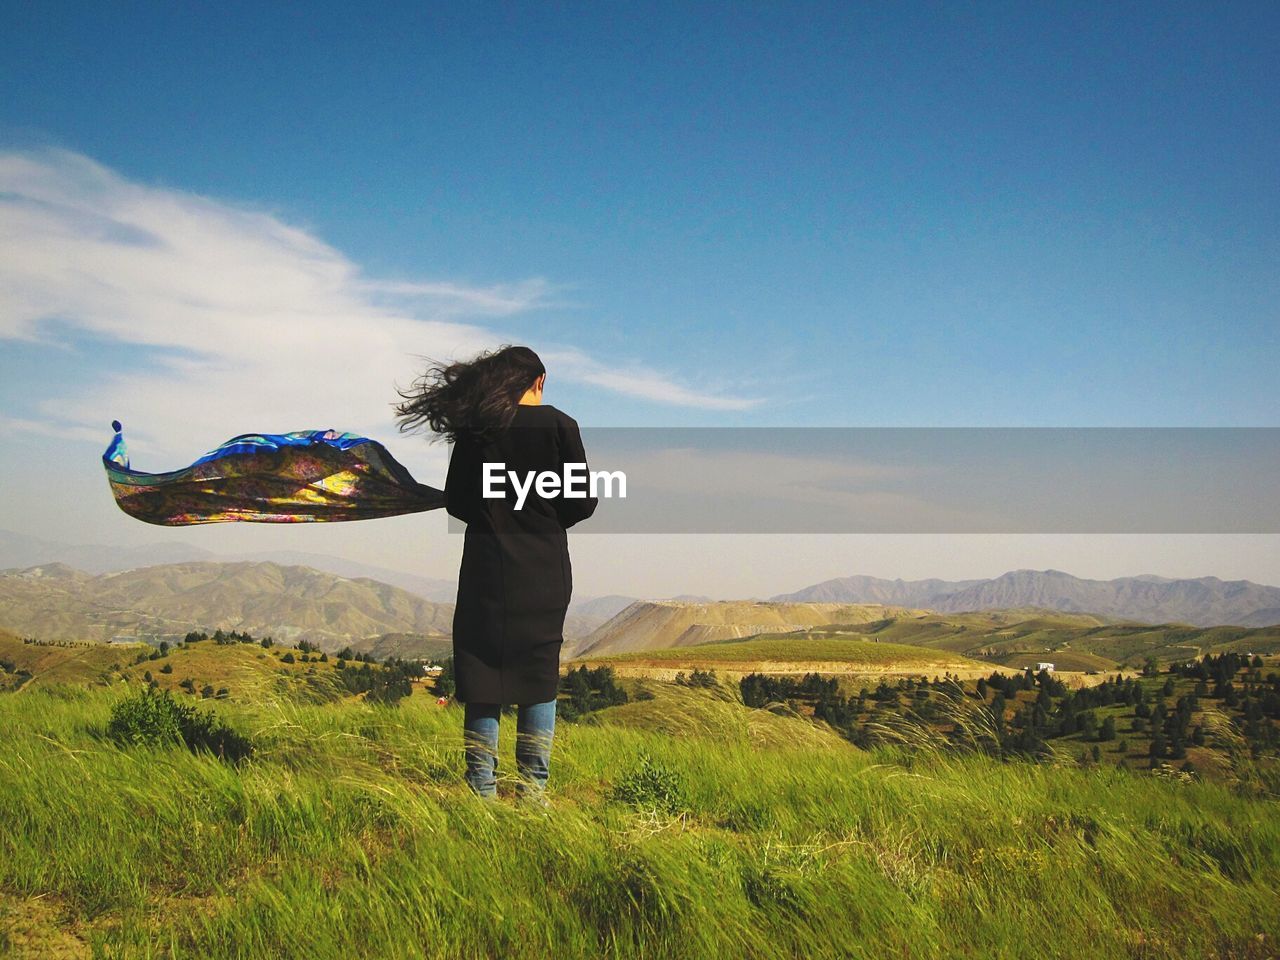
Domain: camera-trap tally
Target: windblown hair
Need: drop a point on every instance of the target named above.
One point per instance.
(470, 398)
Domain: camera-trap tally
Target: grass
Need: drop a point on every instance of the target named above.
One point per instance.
(350, 833)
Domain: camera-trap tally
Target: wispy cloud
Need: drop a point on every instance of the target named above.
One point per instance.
(252, 323)
(641, 383)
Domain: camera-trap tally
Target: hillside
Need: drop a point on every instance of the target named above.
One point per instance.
(1072, 642)
(22, 663)
(658, 624)
(779, 654)
(55, 602)
(1206, 601)
(241, 671)
(963, 643)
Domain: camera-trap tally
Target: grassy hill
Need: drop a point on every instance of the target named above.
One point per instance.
(792, 654)
(1009, 638)
(29, 663)
(239, 671)
(684, 825)
(1005, 635)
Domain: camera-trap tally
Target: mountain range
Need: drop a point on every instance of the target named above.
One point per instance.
(19, 551)
(1201, 602)
(79, 592)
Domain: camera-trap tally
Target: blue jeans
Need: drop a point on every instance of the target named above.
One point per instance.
(535, 727)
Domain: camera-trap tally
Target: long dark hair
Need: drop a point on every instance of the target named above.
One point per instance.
(470, 398)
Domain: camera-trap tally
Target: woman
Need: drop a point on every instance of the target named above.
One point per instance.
(515, 580)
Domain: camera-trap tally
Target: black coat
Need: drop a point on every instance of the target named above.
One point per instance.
(515, 580)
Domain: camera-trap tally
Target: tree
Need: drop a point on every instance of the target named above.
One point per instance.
(1088, 724)
(287, 658)
(579, 690)
(446, 682)
(1157, 750)
(1108, 729)
(167, 668)
(207, 691)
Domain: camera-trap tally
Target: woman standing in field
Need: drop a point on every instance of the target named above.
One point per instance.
(515, 579)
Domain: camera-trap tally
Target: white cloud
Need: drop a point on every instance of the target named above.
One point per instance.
(639, 382)
(256, 324)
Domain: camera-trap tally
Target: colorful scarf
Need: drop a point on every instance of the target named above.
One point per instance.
(310, 476)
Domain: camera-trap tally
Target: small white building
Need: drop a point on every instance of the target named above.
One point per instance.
(1043, 665)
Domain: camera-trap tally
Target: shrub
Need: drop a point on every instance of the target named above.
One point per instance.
(651, 785)
(287, 658)
(167, 668)
(146, 719)
(156, 719)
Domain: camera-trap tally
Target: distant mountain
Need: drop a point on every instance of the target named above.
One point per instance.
(17, 550)
(1202, 602)
(20, 551)
(659, 624)
(57, 602)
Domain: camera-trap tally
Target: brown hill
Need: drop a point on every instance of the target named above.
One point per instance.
(54, 602)
(660, 624)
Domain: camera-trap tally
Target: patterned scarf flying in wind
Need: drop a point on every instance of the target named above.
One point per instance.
(310, 476)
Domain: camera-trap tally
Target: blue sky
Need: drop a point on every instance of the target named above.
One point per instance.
(818, 214)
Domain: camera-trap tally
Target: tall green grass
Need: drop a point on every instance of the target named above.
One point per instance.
(349, 833)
